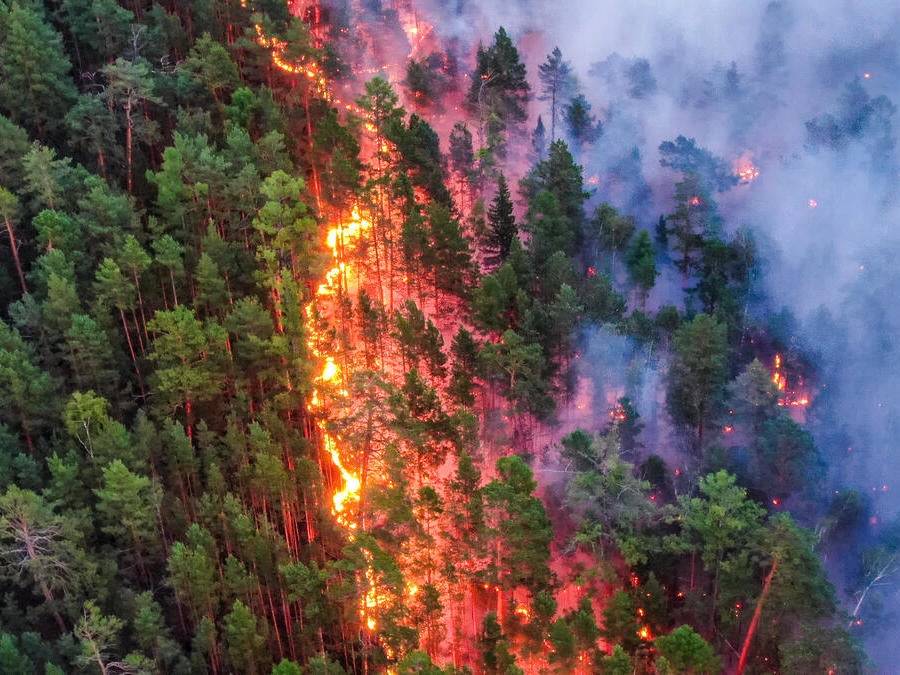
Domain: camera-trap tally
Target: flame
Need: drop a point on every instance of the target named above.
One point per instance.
(778, 378)
(341, 239)
(302, 66)
(695, 201)
(813, 203)
(744, 169)
(417, 30)
(645, 634)
(790, 397)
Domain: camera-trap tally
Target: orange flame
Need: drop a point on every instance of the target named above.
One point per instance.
(744, 169)
(789, 397)
(341, 240)
(301, 66)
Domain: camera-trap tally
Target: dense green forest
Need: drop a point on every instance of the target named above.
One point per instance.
(192, 367)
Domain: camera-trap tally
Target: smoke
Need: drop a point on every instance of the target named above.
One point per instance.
(802, 89)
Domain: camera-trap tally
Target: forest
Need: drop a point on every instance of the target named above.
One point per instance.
(320, 354)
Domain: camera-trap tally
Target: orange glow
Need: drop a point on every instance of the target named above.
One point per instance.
(523, 612)
(745, 170)
(618, 414)
(301, 66)
(341, 240)
(778, 378)
(789, 397)
(695, 201)
(417, 30)
(645, 634)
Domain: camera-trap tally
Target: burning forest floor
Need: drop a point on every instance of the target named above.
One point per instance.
(336, 340)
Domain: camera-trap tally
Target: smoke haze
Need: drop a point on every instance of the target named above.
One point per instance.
(806, 92)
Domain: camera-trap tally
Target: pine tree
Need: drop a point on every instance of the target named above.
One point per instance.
(35, 89)
(558, 84)
(499, 86)
(502, 228)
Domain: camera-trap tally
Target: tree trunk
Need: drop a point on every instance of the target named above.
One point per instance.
(129, 131)
(754, 622)
(15, 252)
(131, 351)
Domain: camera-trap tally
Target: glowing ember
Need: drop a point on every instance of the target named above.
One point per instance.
(778, 378)
(695, 201)
(813, 203)
(618, 414)
(789, 397)
(301, 66)
(645, 634)
(341, 241)
(745, 170)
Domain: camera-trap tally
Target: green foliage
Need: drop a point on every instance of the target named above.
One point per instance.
(184, 350)
(98, 634)
(583, 127)
(698, 372)
(245, 639)
(495, 654)
(558, 83)
(502, 228)
(618, 663)
(609, 503)
(165, 485)
(641, 262)
(683, 155)
(685, 651)
(521, 526)
(35, 89)
(786, 457)
(621, 626)
(12, 660)
(561, 177)
(286, 667)
(498, 84)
